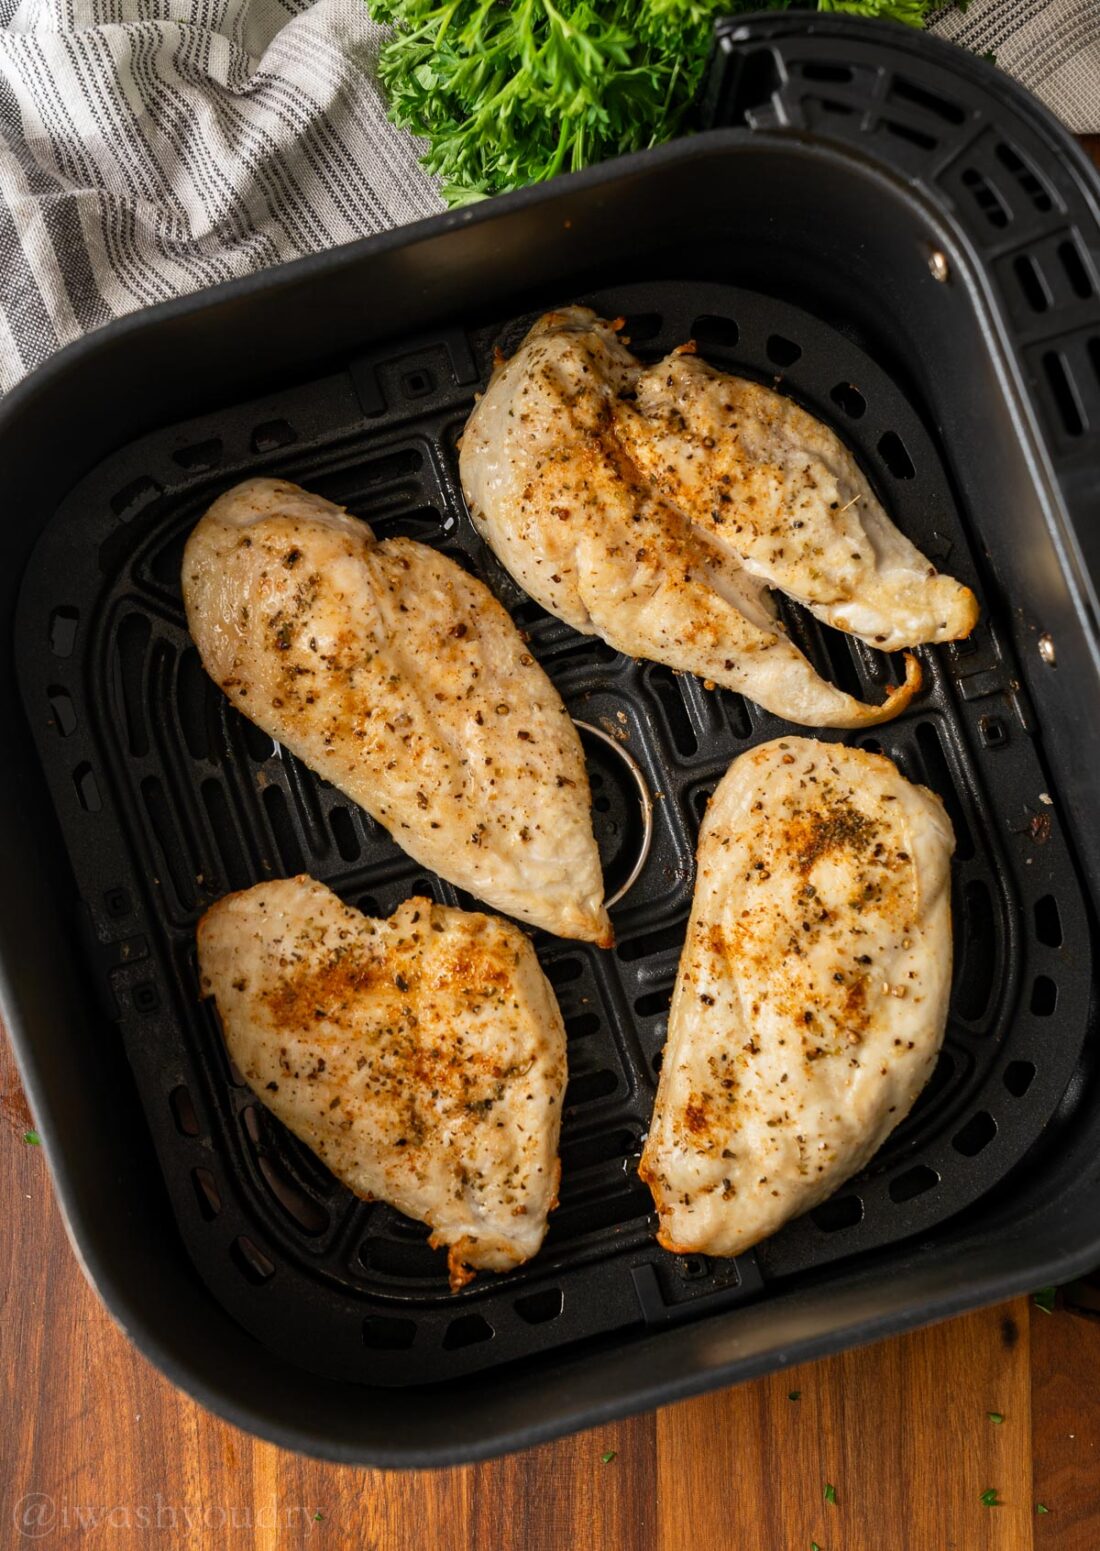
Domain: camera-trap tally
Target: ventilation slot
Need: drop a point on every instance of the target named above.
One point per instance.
(62, 714)
(343, 831)
(831, 105)
(979, 946)
(737, 714)
(975, 1135)
(388, 1335)
(894, 454)
(651, 942)
(1024, 176)
(914, 1182)
(784, 352)
(200, 455)
(938, 776)
(986, 198)
(561, 972)
(715, 333)
(192, 689)
(183, 1112)
(252, 1263)
(603, 1147)
(654, 1003)
(1074, 266)
(1018, 1077)
(235, 868)
(589, 1087)
(167, 841)
(667, 690)
(915, 136)
(840, 1212)
(1064, 392)
(541, 1307)
(129, 676)
(838, 74)
(849, 399)
(582, 1025)
(63, 626)
(282, 830)
(467, 1331)
(1044, 996)
(87, 788)
(272, 435)
(133, 497)
(1032, 283)
(206, 1194)
(903, 90)
(1048, 922)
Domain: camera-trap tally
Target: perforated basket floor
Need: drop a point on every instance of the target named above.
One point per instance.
(167, 799)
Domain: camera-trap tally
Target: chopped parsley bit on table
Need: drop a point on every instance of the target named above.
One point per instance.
(32, 1138)
(995, 1416)
(609, 1456)
(794, 1394)
(1041, 1508)
(989, 1498)
(814, 1546)
(1044, 1299)
(318, 1515)
(830, 1492)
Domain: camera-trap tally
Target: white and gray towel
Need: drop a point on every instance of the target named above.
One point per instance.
(150, 147)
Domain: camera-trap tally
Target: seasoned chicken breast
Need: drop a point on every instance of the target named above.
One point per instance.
(421, 1058)
(398, 677)
(812, 992)
(778, 490)
(554, 489)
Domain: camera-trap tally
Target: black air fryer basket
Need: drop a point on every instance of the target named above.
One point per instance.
(906, 244)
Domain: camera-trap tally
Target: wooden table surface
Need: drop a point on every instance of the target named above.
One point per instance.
(98, 1449)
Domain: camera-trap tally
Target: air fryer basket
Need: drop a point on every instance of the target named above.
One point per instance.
(808, 247)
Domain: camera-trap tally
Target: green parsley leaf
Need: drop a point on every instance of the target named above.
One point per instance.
(830, 1492)
(989, 1498)
(507, 95)
(32, 1138)
(1041, 1508)
(814, 1546)
(990, 57)
(609, 1456)
(995, 1416)
(318, 1516)
(794, 1394)
(1044, 1299)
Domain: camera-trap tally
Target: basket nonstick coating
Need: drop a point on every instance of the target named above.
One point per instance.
(179, 799)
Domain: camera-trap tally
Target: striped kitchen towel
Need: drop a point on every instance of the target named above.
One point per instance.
(150, 147)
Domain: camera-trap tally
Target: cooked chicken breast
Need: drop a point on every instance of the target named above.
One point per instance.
(400, 679)
(421, 1058)
(812, 992)
(779, 490)
(554, 490)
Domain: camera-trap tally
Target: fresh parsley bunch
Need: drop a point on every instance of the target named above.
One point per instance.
(510, 92)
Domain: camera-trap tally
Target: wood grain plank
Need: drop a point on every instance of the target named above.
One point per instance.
(899, 1429)
(1065, 1369)
(111, 1449)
